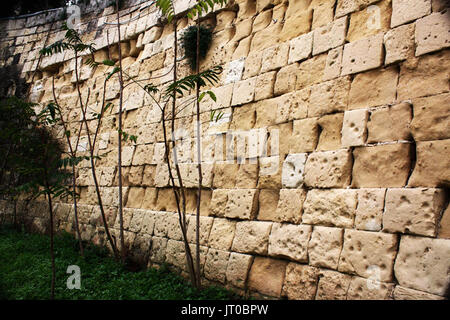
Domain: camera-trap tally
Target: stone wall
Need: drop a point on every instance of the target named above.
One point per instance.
(342, 112)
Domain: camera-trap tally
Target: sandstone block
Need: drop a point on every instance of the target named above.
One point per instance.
(175, 254)
(330, 133)
(234, 71)
(275, 57)
(268, 201)
(296, 23)
(334, 63)
(334, 207)
(135, 197)
(362, 55)
(267, 276)
(382, 84)
(399, 43)
(244, 91)
(330, 36)
(348, 6)
(150, 196)
(333, 285)
(403, 293)
(286, 79)
(432, 32)
(354, 131)
(300, 48)
(225, 175)
(247, 176)
(365, 289)
(222, 234)
(243, 29)
(252, 237)
(328, 169)
(216, 265)
(270, 173)
(293, 170)
(300, 282)
(427, 260)
(394, 160)
(290, 205)
(252, 64)
(310, 71)
(390, 123)
(305, 134)
(166, 200)
(404, 11)
(242, 203)
(267, 37)
(238, 268)
(368, 254)
(413, 211)
(424, 77)
(370, 21)
(323, 13)
(369, 213)
(148, 222)
(290, 241)
(431, 118)
(143, 154)
(218, 202)
(325, 247)
(433, 164)
(328, 97)
(263, 19)
(205, 228)
(264, 85)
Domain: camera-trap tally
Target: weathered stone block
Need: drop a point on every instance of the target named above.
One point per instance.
(264, 85)
(428, 260)
(218, 203)
(247, 176)
(404, 11)
(328, 169)
(330, 133)
(252, 237)
(216, 265)
(244, 91)
(330, 36)
(325, 247)
(334, 63)
(296, 23)
(365, 289)
(222, 234)
(432, 165)
(252, 64)
(328, 97)
(310, 71)
(413, 211)
(390, 123)
(403, 293)
(275, 57)
(305, 134)
(431, 118)
(293, 170)
(332, 285)
(362, 55)
(267, 276)
(242, 203)
(135, 197)
(365, 253)
(290, 241)
(290, 205)
(432, 32)
(300, 48)
(323, 13)
(225, 175)
(270, 172)
(370, 21)
(354, 131)
(268, 201)
(399, 43)
(286, 79)
(394, 160)
(334, 207)
(382, 84)
(205, 228)
(424, 76)
(348, 6)
(238, 268)
(369, 213)
(300, 282)
(444, 226)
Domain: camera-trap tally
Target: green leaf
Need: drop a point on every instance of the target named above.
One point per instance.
(108, 63)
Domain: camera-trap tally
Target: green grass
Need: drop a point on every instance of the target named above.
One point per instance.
(25, 273)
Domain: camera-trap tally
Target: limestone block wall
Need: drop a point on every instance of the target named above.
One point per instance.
(327, 176)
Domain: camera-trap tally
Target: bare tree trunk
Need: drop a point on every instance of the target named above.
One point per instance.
(91, 153)
(119, 165)
(199, 159)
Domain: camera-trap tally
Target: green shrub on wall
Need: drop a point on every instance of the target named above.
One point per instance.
(189, 43)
